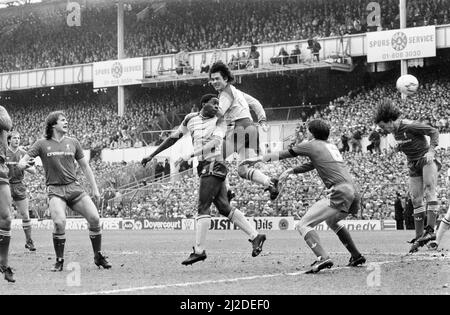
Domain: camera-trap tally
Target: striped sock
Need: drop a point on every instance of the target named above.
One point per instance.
(26, 225)
(5, 238)
(95, 234)
(419, 217)
(59, 241)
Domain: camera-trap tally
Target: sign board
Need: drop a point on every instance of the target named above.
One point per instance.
(118, 72)
(405, 43)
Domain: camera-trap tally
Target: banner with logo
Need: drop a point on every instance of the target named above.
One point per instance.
(260, 223)
(118, 72)
(71, 224)
(405, 43)
(354, 225)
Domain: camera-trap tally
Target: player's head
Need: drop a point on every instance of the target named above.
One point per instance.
(318, 129)
(385, 115)
(55, 121)
(220, 75)
(209, 105)
(14, 139)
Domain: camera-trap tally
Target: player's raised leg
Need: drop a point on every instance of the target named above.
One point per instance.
(86, 207)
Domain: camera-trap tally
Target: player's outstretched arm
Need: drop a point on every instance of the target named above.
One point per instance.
(296, 170)
(87, 170)
(5, 119)
(170, 141)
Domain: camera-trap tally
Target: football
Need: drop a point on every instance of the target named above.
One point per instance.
(407, 84)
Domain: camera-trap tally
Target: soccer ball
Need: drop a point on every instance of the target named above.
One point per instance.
(407, 84)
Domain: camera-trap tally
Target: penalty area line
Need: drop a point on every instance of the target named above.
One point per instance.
(248, 278)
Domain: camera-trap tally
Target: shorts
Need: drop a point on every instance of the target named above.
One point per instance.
(18, 191)
(4, 171)
(70, 193)
(245, 135)
(213, 190)
(416, 167)
(345, 198)
(212, 168)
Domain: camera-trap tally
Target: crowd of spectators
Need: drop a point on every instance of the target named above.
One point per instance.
(33, 38)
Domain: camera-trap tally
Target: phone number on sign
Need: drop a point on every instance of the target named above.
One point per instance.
(402, 54)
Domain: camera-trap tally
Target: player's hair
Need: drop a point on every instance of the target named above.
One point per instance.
(219, 66)
(386, 112)
(205, 99)
(319, 129)
(50, 121)
(12, 134)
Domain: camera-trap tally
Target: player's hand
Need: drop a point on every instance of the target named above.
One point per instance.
(429, 156)
(22, 165)
(264, 126)
(251, 161)
(182, 159)
(146, 160)
(285, 174)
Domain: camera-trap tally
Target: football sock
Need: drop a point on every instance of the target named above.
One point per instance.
(347, 241)
(59, 240)
(419, 217)
(26, 225)
(203, 223)
(258, 177)
(238, 218)
(95, 234)
(432, 213)
(313, 241)
(5, 238)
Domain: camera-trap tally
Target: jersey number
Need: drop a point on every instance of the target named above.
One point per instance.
(334, 152)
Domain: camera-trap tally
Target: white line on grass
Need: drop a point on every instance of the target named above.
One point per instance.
(187, 284)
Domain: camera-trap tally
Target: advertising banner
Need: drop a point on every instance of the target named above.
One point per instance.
(405, 43)
(118, 72)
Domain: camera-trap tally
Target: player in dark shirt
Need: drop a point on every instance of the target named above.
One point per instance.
(58, 154)
(422, 163)
(344, 197)
(19, 192)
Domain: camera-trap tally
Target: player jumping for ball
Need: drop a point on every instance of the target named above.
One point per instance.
(242, 135)
(344, 198)
(58, 154)
(422, 163)
(18, 189)
(207, 138)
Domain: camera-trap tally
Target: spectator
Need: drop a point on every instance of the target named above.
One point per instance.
(253, 58)
(399, 212)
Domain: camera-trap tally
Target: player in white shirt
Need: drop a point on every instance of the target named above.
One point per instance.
(242, 135)
(207, 136)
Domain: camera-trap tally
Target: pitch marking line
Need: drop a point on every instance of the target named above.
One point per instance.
(187, 284)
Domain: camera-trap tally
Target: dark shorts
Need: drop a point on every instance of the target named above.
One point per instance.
(4, 170)
(213, 190)
(416, 167)
(212, 168)
(18, 191)
(346, 198)
(71, 193)
(245, 135)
